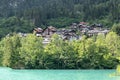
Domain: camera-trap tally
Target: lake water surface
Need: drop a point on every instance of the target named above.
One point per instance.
(10, 74)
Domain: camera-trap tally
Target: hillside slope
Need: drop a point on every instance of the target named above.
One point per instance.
(59, 13)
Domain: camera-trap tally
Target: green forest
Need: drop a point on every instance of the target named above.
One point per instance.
(100, 52)
(96, 52)
(24, 15)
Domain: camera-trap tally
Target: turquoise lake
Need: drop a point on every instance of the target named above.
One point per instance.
(10, 74)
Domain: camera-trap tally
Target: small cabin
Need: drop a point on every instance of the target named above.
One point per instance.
(38, 31)
(49, 31)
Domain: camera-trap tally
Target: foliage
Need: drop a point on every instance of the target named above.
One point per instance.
(101, 52)
(31, 51)
(87, 53)
(116, 28)
(18, 15)
(14, 24)
(10, 50)
(117, 73)
(62, 22)
(118, 69)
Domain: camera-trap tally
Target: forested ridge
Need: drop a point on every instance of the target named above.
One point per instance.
(95, 52)
(24, 15)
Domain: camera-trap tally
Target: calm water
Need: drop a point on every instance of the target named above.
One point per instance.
(10, 74)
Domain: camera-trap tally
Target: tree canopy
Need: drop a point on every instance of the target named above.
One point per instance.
(29, 52)
(24, 15)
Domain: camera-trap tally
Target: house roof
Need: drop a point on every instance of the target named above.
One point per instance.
(38, 29)
(52, 28)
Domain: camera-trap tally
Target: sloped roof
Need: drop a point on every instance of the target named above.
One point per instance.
(52, 28)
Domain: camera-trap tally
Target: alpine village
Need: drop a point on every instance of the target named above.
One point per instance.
(60, 35)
